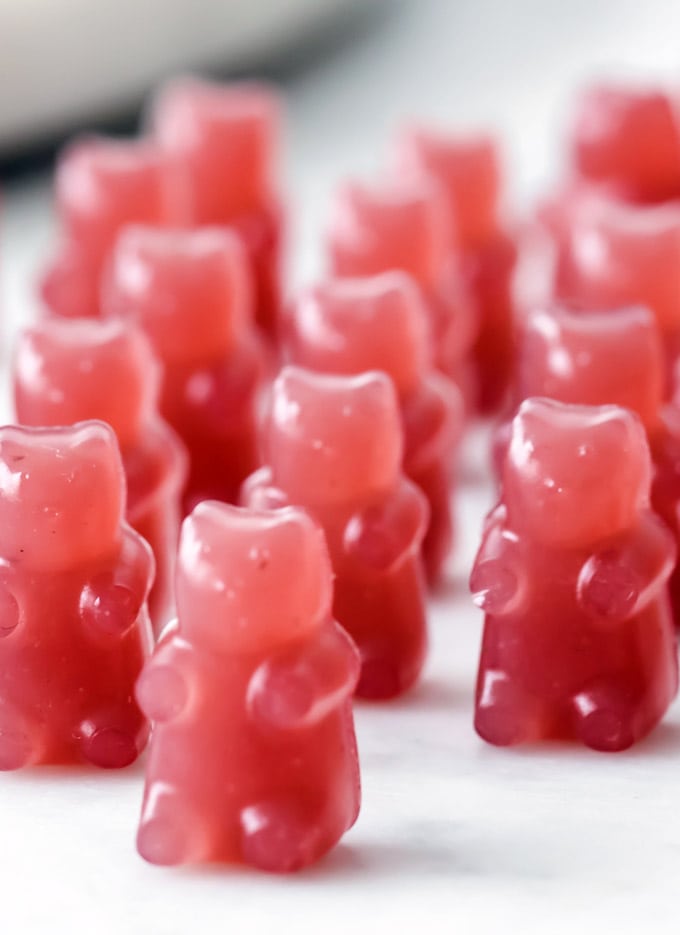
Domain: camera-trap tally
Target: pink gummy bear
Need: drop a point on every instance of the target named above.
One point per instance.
(571, 574)
(190, 292)
(467, 171)
(610, 357)
(348, 326)
(101, 185)
(613, 254)
(71, 370)
(74, 629)
(627, 140)
(405, 227)
(333, 445)
(253, 757)
(225, 138)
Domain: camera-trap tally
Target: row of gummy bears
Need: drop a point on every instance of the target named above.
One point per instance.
(151, 389)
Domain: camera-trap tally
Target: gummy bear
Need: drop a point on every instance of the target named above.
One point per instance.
(70, 370)
(405, 227)
(333, 445)
(190, 292)
(101, 185)
(253, 757)
(571, 574)
(74, 628)
(225, 138)
(379, 323)
(468, 172)
(627, 140)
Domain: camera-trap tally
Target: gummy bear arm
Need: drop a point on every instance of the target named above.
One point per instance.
(498, 579)
(162, 689)
(137, 566)
(260, 493)
(443, 416)
(298, 689)
(383, 534)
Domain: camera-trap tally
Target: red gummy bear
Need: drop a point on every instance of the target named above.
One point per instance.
(571, 574)
(628, 141)
(333, 445)
(615, 255)
(610, 357)
(253, 757)
(74, 629)
(190, 292)
(71, 370)
(379, 323)
(468, 173)
(225, 138)
(101, 185)
(405, 227)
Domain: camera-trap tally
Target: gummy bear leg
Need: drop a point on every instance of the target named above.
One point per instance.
(505, 714)
(605, 717)
(112, 741)
(171, 832)
(278, 837)
(19, 740)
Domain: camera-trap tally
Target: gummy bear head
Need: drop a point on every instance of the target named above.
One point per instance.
(353, 325)
(71, 370)
(574, 475)
(226, 136)
(468, 172)
(594, 359)
(251, 580)
(333, 439)
(401, 226)
(62, 495)
(189, 290)
(103, 183)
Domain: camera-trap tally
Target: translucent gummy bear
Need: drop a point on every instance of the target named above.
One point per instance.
(572, 576)
(74, 578)
(333, 445)
(608, 357)
(101, 185)
(348, 326)
(627, 139)
(253, 757)
(468, 173)
(68, 371)
(226, 139)
(405, 227)
(190, 292)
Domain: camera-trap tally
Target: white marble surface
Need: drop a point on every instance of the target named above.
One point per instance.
(454, 836)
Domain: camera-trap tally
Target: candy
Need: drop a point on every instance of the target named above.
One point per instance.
(101, 185)
(190, 292)
(571, 574)
(253, 757)
(349, 326)
(68, 371)
(405, 227)
(74, 629)
(627, 140)
(333, 445)
(468, 174)
(225, 138)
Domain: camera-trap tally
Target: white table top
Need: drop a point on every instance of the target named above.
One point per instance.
(454, 836)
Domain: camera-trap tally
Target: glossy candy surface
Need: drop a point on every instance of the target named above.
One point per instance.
(571, 574)
(68, 371)
(225, 139)
(348, 326)
(468, 173)
(101, 185)
(253, 757)
(333, 445)
(627, 140)
(190, 292)
(405, 227)
(73, 585)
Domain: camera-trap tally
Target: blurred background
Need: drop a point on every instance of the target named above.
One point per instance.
(352, 70)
